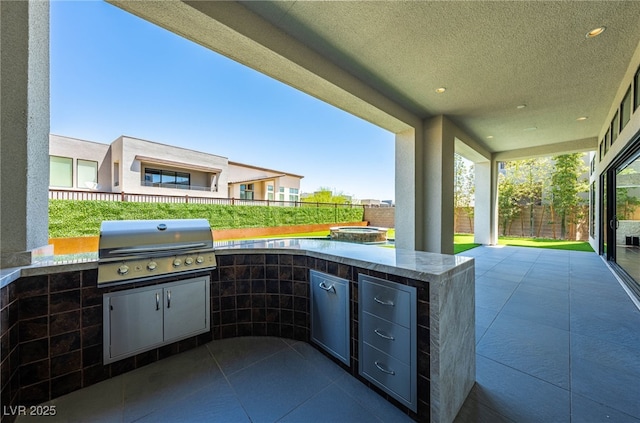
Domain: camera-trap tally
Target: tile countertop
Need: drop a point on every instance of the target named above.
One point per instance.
(406, 263)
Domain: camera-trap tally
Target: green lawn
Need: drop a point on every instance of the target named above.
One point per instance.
(464, 242)
(557, 244)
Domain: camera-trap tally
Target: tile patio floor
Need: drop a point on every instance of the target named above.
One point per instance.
(558, 340)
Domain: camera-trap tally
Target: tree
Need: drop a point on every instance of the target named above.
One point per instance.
(464, 188)
(531, 177)
(508, 206)
(326, 195)
(566, 186)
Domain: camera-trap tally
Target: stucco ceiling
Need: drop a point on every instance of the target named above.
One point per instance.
(490, 56)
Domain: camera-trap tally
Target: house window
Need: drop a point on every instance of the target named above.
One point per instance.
(60, 172)
(281, 194)
(592, 214)
(293, 194)
(636, 89)
(246, 191)
(615, 126)
(270, 193)
(625, 109)
(502, 167)
(116, 174)
(601, 151)
(87, 174)
(166, 178)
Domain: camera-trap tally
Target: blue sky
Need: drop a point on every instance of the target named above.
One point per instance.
(115, 74)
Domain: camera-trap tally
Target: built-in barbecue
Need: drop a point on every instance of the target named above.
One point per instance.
(132, 250)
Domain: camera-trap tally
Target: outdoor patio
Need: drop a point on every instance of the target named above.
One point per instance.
(558, 340)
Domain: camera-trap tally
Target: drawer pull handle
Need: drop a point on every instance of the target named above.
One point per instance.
(157, 301)
(383, 370)
(383, 302)
(322, 285)
(382, 335)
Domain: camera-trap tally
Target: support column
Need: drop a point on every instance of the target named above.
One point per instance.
(424, 187)
(407, 225)
(24, 132)
(439, 165)
(486, 203)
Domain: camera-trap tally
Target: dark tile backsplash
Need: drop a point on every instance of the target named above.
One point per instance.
(51, 340)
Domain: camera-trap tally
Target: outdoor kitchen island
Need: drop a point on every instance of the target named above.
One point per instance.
(259, 288)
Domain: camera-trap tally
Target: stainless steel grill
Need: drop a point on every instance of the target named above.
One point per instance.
(140, 249)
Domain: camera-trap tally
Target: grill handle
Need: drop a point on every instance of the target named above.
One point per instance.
(140, 250)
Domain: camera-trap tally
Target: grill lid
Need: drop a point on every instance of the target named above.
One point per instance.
(124, 238)
(133, 250)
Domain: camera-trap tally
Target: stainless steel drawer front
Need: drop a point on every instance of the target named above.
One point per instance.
(387, 303)
(388, 337)
(387, 342)
(392, 373)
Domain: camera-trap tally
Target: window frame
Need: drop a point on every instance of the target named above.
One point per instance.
(81, 184)
(625, 108)
(171, 178)
(71, 176)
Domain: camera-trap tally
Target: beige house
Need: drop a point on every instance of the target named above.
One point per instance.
(136, 166)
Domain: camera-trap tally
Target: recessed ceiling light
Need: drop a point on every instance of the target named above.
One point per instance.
(532, 128)
(596, 31)
(521, 106)
(440, 90)
(490, 137)
(581, 118)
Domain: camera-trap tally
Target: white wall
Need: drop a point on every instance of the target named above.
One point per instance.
(131, 168)
(84, 150)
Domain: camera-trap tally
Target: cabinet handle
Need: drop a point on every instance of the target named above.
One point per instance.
(383, 370)
(383, 302)
(322, 285)
(382, 335)
(168, 299)
(157, 301)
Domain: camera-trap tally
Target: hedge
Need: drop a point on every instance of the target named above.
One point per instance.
(71, 218)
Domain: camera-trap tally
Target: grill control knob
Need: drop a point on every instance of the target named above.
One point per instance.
(199, 259)
(188, 261)
(123, 270)
(177, 262)
(152, 265)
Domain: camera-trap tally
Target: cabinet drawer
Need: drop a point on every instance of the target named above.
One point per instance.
(393, 375)
(390, 303)
(389, 338)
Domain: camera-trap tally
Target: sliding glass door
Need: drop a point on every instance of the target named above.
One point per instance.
(626, 220)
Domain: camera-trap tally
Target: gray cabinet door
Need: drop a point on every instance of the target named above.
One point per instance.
(330, 314)
(185, 309)
(135, 322)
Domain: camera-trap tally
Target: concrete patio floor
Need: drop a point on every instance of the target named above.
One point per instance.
(557, 338)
